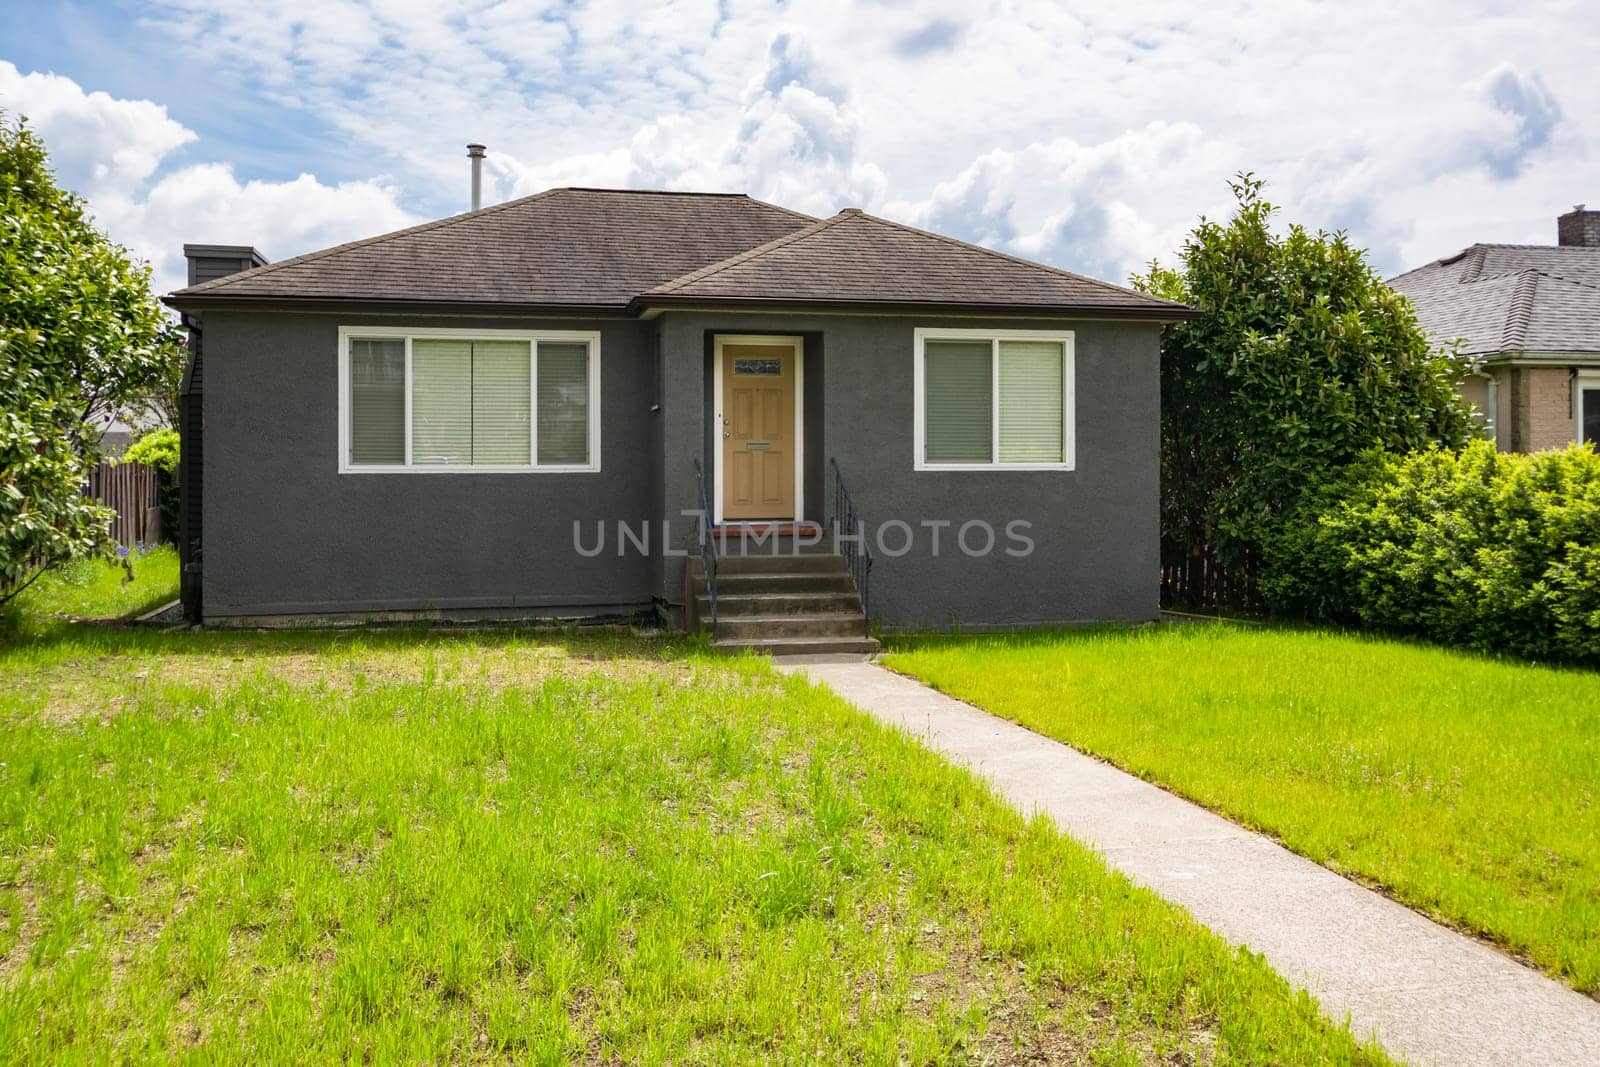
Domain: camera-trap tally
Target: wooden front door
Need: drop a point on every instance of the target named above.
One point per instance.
(758, 430)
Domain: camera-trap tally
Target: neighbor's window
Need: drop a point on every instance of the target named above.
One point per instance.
(1000, 399)
(420, 401)
(1589, 410)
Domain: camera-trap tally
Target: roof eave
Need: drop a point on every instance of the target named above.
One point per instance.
(1536, 357)
(1160, 313)
(181, 301)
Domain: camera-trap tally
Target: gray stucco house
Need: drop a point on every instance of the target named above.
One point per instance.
(518, 411)
(1528, 319)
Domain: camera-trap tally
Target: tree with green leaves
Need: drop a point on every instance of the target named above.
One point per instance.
(82, 337)
(1301, 359)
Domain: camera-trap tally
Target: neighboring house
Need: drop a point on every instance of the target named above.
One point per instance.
(119, 431)
(1530, 319)
(447, 420)
(115, 436)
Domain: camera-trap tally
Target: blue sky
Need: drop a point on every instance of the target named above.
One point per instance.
(1087, 135)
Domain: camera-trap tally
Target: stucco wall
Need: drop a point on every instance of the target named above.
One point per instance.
(1095, 529)
(286, 533)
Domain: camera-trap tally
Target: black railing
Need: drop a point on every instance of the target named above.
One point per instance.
(850, 536)
(708, 543)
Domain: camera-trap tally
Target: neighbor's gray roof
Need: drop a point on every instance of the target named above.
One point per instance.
(856, 259)
(619, 251)
(1510, 298)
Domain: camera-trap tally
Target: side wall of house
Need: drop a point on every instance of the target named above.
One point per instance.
(1094, 530)
(286, 534)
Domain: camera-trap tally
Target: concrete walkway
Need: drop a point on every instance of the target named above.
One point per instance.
(1430, 995)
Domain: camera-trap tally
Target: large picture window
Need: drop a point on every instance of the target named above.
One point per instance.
(493, 400)
(993, 400)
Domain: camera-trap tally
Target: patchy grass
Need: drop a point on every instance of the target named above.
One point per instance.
(512, 845)
(1466, 786)
(95, 589)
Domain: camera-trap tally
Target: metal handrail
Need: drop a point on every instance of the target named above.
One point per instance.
(708, 544)
(853, 548)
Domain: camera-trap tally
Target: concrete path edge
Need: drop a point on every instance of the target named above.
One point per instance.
(1427, 993)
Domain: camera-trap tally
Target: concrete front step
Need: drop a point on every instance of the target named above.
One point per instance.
(801, 646)
(804, 602)
(782, 604)
(729, 585)
(782, 545)
(766, 563)
(833, 624)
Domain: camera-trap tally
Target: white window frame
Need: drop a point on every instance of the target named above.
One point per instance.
(1584, 381)
(415, 333)
(1069, 419)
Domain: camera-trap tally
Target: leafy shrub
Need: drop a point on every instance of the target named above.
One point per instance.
(1479, 548)
(45, 518)
(159, 449)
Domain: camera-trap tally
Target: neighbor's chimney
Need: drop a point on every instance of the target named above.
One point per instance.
(475, 153)
(1579, 227)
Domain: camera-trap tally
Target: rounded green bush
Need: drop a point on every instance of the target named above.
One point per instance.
(1490, 550)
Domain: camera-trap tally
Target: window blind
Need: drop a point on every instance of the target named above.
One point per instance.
(563, 403)
(441, 402)
(471, 402)
(959, 402)
(502, 402)
(1030, 402)
(377, 401)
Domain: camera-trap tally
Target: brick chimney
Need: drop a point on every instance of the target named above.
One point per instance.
(1579, 227)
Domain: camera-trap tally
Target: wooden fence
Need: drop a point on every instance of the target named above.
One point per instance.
(132, 490)
(1198, 581)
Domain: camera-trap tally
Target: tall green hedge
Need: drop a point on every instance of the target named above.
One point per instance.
(1479, 548)
(1301, 359)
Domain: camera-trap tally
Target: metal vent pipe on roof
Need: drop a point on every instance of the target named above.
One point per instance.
(475, 153)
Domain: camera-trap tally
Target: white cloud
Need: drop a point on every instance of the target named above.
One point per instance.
(207, 204)
(1088, 135)
(1103, 209)
(793, 142)
(111, 151)
(1498, 165)
(96, 142)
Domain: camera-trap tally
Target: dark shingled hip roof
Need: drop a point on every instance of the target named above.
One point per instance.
(1502, 299)
(859, 260)
(622, 252)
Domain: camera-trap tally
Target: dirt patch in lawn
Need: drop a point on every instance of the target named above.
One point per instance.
(105, 685)
(1033, 1019)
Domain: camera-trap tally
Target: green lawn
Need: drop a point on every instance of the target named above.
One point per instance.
(1467, 787)
(513, 845)
(95, 589)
